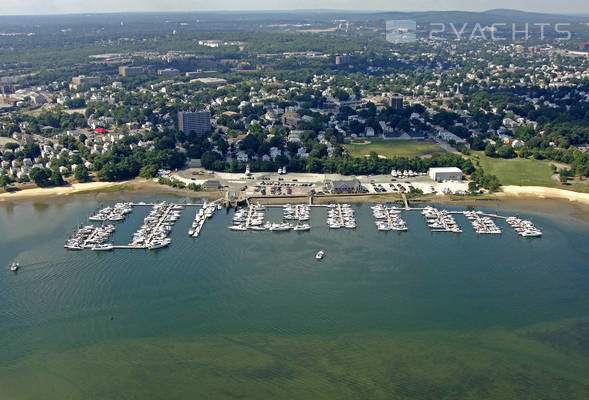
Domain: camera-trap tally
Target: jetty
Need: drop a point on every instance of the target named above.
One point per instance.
(157, 226)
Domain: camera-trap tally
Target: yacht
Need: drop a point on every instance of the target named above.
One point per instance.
(159, 244)
(238, 228)
(320, 255)
(531, 233)
(14, 266)
(102, 247)
(303, 227)
(280, 227)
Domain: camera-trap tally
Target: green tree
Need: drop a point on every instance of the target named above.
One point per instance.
(81, 173)
(57, 178)
(4, 181)
(40, 176)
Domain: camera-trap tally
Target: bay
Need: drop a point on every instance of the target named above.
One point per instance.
(254, 315)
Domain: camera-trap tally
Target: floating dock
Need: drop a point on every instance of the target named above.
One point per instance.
(153, 236)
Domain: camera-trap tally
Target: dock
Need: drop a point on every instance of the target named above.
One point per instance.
(340, 216)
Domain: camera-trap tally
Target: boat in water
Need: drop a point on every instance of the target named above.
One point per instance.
(14, 266)
(103, 247)
(302, 228)
(320, 255)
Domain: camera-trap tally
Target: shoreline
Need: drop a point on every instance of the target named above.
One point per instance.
(525, 198)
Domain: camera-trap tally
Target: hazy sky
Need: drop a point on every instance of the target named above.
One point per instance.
(82, 6)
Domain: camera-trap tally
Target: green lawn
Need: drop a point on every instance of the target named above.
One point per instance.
(523, 172)
(517, 171)
(391, 148)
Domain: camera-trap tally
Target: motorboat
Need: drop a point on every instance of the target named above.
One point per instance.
(301, 228)
(102, 247)
(14, 266)
(320, 255)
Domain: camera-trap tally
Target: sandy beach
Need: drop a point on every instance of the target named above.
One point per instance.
(57, 191)
(137, 186)
(543, 193)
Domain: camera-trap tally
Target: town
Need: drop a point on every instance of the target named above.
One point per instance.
(234, 111)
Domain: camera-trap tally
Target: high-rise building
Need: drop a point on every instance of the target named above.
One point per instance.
(198, 122)
(126, 70)
(81, 82)
(343, 59)
(396, 102)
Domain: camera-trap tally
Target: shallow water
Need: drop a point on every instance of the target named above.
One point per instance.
(254, 315)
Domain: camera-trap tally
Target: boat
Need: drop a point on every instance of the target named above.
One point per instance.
(14, 266)
(280, 227)
(159, 244)
(320, 255)
(301, 228)
(238, 228)
(102, 247)
(531, 233)
(257, 228)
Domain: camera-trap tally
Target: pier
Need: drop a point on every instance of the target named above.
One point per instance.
(158, 224)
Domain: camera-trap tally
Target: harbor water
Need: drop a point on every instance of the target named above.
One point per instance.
(254, 315)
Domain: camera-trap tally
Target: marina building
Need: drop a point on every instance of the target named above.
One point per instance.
(445, 174)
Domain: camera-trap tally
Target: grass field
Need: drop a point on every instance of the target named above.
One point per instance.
(523, 172)
(391, 148)
(517, 171)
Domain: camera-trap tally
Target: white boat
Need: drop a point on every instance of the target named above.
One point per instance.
(238, 228)
(280, 227)
(257, 228)
(531, 233)
(320, 255)
(301, 228)
(102, 247)
(14, 266)
(158, 244)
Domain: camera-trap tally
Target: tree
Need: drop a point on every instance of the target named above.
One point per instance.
(81, 173)
(11, 146)
(57, 178)
(472, 187)
(148, 171)
(40, 176)
(4, 181)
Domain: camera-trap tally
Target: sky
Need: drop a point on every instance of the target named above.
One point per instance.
(15, 7)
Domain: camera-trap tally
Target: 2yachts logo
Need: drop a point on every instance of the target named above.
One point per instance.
(401, 31)
(405, 31)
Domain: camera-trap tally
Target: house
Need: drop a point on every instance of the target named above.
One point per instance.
(345, 185)
(290, 118)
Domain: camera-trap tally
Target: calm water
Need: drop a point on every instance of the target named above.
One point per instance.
(254, 315)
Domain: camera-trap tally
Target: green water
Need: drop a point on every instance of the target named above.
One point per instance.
(415, 315)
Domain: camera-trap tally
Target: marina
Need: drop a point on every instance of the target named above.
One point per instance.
(341, 216)
(388, 218)
(116, 213)
(440, 221)
(482, 224)
(157, 226)
(207, 211)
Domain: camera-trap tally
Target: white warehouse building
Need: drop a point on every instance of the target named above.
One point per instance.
(445, 174)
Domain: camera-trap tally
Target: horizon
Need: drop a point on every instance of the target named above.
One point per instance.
(70, 7)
